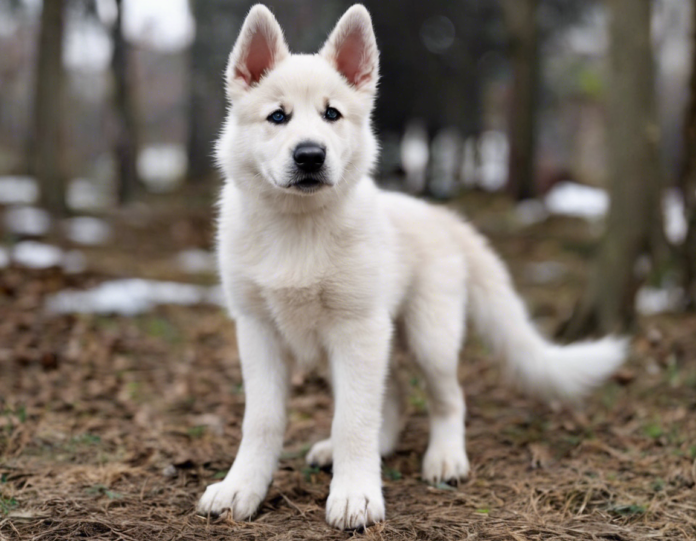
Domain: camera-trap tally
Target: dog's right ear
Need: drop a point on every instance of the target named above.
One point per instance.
(259, 48)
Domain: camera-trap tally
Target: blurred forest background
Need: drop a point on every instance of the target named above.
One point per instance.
(564, 129)
(547, 100)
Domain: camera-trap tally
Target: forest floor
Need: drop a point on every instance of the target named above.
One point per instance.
(112, 426)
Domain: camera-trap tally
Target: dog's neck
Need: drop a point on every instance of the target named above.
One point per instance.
(261, 210)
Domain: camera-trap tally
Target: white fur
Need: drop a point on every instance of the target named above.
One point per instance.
(328, 275)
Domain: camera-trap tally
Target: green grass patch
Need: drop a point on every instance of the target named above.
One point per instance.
(392, 474)
(417, 397)
(653, 430)
(631, 510)
(14, 417)
(196, 432)
(658, 485)
(159, 327)
(103, 490)
(86, 439)
(310, 473)
(299, 453)
(610, 395)
(672, 374)
(7, 504)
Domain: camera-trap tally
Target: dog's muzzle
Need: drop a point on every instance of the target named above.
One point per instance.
(308, 184)
(309, 157)
(309, 175)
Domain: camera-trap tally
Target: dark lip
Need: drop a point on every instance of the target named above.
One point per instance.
(308, 185)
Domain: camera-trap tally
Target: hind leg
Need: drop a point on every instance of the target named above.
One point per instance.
(392, 416)
(435, 326)
(321, 453)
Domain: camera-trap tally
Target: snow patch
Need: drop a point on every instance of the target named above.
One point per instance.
(87, 46)
(494, 150)
(674, 215)
(74, 262)
(415, 155)
(85, 194)
(164, 25)
(572, 199)
(162, 167)
(530, 212)
(545, 272)
(195, 261)
(37, 255)
(130, 297)
(445, 152)
(651, 300)
(29, 221)
(87, 230)
(18, 190)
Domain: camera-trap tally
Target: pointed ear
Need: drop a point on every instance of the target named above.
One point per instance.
(352, 49)
(259, 48)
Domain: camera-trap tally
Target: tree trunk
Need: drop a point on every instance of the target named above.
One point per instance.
(208, 58)
(634, 167)
(126, 146)
(688, 185)
(46, 153)
(520, 17)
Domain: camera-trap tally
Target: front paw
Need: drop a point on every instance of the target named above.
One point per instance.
(354, 505)
(241, 499)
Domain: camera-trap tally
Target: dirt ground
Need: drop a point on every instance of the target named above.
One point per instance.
(111, 427)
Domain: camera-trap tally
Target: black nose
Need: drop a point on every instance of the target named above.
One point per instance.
(309, 157)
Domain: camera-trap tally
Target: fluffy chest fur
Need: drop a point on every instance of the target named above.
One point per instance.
(305, 272)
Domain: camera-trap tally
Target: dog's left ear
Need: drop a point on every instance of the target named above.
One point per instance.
(259, 48)
(352, 49)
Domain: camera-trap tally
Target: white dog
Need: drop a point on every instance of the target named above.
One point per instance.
(318, 263)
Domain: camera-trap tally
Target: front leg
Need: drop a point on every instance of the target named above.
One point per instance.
(359, 352)
(265, 374)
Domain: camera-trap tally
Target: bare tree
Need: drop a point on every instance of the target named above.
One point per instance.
(688, 186)
(46, 156)
(633, 138)
(216, 22)
(126, 145)
(521, 21)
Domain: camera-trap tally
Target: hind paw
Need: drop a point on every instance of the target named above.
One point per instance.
(445, 465)
(321, 454)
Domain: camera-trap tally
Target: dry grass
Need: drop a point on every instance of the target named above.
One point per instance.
(110, 428)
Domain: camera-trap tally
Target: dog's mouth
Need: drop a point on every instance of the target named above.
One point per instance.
(308, 184)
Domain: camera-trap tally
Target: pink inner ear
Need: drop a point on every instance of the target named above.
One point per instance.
(351, 58)
(258, 60)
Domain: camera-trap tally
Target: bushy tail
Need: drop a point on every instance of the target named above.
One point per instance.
(535, 364)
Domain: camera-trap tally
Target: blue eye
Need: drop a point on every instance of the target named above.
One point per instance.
(278, 117)
(331, 114)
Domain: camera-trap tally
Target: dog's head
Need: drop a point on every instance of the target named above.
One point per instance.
(299, 125)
